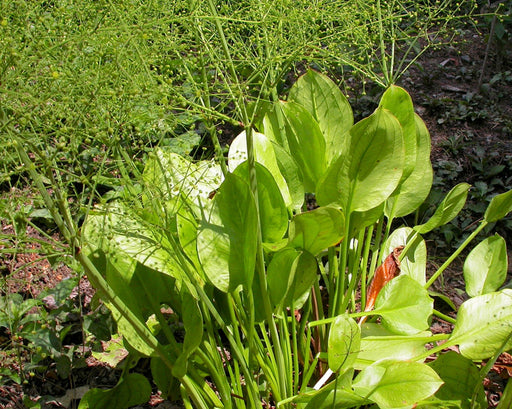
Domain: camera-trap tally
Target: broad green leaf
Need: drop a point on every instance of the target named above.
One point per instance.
(370, 170)
(290, 275)
(168, 175)
(274, 128)
(132, 389)
(328, 398)
(140, 288)
(360, 220)
(265, 154)
(399, 103)
(326, 103)
(193, 324)
(226, 241)
(317, 229)
(279, 271)
(117, 228)
(461, 377)
(273, 212)
(404, 305)
(500, 206)
(187, 236)
(485, 268)
(414, 263)
(343, 344)
(413, 191)
(292, 174)
(447, 210)
(396, 384)
(306, 143)
(378, 343)
(484, 325)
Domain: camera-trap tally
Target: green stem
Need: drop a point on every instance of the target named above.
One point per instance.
(444, 317)
(382, 44)
(68, 230)
(455, 254)
(364, 264)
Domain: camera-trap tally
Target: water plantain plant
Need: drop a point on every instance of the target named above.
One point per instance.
(243, 299)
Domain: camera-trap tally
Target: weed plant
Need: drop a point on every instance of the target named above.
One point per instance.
(266, 294)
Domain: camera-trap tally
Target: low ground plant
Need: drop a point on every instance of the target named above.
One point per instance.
(242, 299)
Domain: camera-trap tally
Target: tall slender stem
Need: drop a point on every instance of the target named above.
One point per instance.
(455, 254)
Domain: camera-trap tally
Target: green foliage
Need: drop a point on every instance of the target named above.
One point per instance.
(39, 330)
(262, 291)
(247, 273)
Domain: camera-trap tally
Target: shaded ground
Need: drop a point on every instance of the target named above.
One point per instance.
(463, 120)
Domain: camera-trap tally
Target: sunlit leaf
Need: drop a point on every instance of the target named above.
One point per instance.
(272, 209)
(414, 262)
(317, 229)
(226, 240)
(378, 343)
(485, 268)
(370, 170)
(331, 397)
(343, 344)
(484, 325)
(168, 174)
(265, 154)
(447, 210)
(326, 103)
(413, 190)
(404, 305)
(396, 384)
(306, 143)
(399, 103)
(500, 206)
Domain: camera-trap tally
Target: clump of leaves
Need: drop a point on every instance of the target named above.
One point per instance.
(267, 294)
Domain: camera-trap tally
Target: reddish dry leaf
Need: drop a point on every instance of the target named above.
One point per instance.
(385, 273)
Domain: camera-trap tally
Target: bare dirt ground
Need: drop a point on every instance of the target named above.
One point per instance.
(459, 114)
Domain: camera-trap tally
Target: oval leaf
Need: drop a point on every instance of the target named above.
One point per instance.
(226, 241)
(484, 325)
(397, 384)
(326, 103)
(343, 343)
(371, 168)
(168, 175)
(317, 229)
(413, 191)
(399, 103)
(265, 154)
(500, 206)
(404, 305)
(485, 268)
(273, 212)
(447, 210)
(291, 273)
(378, 343)
(306, 143)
